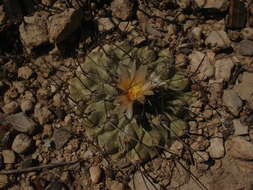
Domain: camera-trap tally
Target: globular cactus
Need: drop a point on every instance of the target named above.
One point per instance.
(132, 98)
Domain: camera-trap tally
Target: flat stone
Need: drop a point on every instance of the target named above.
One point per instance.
(216, 148)
(223, 69)
(212, 4)
(21, 122)
(246, 47)
(122, 9)
(140, 182)
(117, 186)
(240, 148)
(21, 143)
(202, 64)
(232, 100)
(95, 174)
(8, 156)
(200, 156)
(61, 137)
(61, 25)
(240, 129)
(218, 40)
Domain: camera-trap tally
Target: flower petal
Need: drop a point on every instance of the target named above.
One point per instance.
(140, 75)
(129, 111)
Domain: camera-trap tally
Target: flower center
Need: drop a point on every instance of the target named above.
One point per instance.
(135, 92)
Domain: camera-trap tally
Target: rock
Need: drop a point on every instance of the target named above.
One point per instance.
(223, 69)
(11, 107)
(3, 181)
(140, 182)
(122, 9)
(183, 4)
(43, 114)
(60, 26)
(200, 144)
(246, 47)
(25, 72)
(237, 15)
(232, 101)
(176, 149)
(21, 123)
(2, 14)
(218, 40)
(239, 148)
(33, 31)
(126, 26)
(216, 148)
(19, 86)
(26, 105)
(247, 33)
(47, 131)
(202, 64)
(117, 186)
(105, 24)
(244, 88)
(240, 129)
(56, 185)
(61, 137)
(21, 143)
(95, 174)
(196, 33)
(8, 156)
(200, 156)
(212, 4)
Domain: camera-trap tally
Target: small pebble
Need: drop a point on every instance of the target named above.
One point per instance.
(8, 156)
(95, 174)
(25, 72)
(11, 107)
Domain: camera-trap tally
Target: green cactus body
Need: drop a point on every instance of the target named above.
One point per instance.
(153, 125)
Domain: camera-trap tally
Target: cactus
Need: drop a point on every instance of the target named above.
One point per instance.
(133, 100)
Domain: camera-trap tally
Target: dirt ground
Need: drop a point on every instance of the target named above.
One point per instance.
(44, 143)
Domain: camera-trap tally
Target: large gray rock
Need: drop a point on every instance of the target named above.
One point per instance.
(240, 148)
(60, 26)
(232, 101)
(246, 47)
(216, 148)
(22, 143)
(21, 123)
(202, 64)
(33, 31)
(218, 40)
(223, 69)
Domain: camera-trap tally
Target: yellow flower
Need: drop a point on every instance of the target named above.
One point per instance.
(134, 86)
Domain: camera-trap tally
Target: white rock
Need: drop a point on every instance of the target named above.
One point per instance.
(196, 33)
(223, 69)
(95, 174)
(232, 101)
(240, 129)
(218, 40)
(202, 64)
(239, 148)
(216, 148)
(212, 4)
